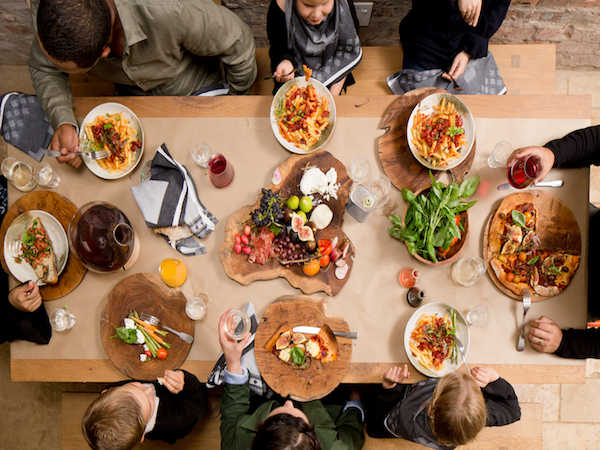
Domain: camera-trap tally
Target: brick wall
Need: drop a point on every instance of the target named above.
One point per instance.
(573, 25)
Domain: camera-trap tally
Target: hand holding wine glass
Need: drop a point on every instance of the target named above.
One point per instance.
(541, 161)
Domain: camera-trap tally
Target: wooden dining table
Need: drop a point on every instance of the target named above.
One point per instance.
(372, 301)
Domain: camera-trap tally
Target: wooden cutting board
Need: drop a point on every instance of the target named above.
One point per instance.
(318, 379)
(145, 292)
(239, 269)
(557, 230)
(398, 163)
(63, 210)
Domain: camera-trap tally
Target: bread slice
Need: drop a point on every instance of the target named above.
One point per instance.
(39, 252)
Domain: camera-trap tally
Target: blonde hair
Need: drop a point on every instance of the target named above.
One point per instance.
(114, 421)
(458, 411)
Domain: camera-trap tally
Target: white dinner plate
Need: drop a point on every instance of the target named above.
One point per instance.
(280, 97)
(441, 309)
(112, 108)
(12, 245)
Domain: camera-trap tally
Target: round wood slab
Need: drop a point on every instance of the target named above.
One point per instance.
(557, 229)
(145, 292)
(63, 210)
(239, 269)
(398, 163)
(318, 379)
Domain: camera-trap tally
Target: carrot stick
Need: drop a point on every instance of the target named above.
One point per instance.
(146, 325)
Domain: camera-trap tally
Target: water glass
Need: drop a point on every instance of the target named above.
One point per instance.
(479, 316)
(221, 171)
(61, 319)
(195, 308)
(237, 324)
(359, 169)
(19, 173)
(146, 171)
(502, 150)
(467, 271)
(46, 176)
(201, 153)
(380, 186)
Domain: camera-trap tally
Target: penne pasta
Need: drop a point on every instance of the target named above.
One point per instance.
(431, 341)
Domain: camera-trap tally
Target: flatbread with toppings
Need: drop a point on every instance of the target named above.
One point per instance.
(38, 252)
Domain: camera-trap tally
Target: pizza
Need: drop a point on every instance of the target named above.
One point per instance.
(521, 259)
(38, 252)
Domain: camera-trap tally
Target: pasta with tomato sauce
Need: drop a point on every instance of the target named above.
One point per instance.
(432, 341)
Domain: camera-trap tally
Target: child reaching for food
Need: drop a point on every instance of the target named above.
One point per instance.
(321, 34)
(440, 413)
(127, 413)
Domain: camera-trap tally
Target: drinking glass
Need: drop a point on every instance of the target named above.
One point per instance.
(359, 169)
(237, 324)
(201, 153)
(221, 171)
(61, 319)
(380, 187)
(46, 176)
(502, 150)
(524, 170)
(408, 277)
(195, 308)
(146, 171)
(479, 316)
(19, 173)
(173, 272)
(467, 271)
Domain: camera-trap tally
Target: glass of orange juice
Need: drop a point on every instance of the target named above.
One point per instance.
(173, 272)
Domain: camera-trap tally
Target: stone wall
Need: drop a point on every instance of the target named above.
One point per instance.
(573, 25)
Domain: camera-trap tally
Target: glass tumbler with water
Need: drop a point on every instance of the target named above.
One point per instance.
(201, 153)
(61, 319)
(500, 154)
(237, 324)
(19, 173)
(380, 186)
(359, 169)
(479, 316)
(467, 271)
(46, 176)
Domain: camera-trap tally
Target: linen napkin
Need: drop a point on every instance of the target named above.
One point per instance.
(169, 199)
(23, 124)
(248, 360)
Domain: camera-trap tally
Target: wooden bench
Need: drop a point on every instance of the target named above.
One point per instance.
(525, 68)
(525, 434)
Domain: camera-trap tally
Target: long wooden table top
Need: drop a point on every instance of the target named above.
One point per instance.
(237, 127)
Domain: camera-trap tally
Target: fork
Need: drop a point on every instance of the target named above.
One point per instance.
(95, 155)
(157, 323)
(456, 86)
(461, 349)
(293, 71)
(526, 306)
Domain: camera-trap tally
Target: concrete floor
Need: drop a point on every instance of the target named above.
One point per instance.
(30, 416)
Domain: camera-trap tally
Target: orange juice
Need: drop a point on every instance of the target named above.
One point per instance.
(173, 272)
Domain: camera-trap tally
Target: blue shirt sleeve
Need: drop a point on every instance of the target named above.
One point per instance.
(356, 404)
(237, 379)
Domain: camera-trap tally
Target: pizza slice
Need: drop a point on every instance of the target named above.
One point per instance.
(38, 252)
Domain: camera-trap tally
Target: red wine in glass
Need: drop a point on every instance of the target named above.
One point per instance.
(221, 171)
(523, 171)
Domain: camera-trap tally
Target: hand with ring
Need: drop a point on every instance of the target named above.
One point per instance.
(545, 335)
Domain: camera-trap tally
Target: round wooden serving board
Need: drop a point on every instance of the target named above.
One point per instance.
(63, 210)
(398, 163)
(318, 379)
(145, 292)
(557, 230)
(239, 269)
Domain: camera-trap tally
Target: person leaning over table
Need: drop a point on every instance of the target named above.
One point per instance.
(24, 316)
(579, 148)
(271, 425)
(146, 47)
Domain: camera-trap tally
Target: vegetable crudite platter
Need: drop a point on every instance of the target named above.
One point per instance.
(532, 240)
(144, 293)
(294, 230)
(397, 160)
(317, 379)
(62, 210)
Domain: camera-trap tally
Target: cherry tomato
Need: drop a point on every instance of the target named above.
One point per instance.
(324, 261)
(528, 216)
(510, 276)
(522, 256)
(312, 268)
(517, 278)
(147, 352)
(247, 230)
(324, 246)
(161, 353)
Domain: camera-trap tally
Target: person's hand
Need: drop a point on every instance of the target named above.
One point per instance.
(286, 68)
(484, 375)
(66, 141)
(232, 349)
(458, 66)
(545, 154)
(174, 381)
(470, 10)
(545, 335)
(395, 375)
(26, 297)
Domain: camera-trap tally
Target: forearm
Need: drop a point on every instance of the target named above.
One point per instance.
(475, 41)
(501, 403)
(580, 148)
(580, 344)
(277, 34)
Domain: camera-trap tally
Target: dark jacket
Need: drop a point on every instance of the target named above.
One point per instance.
(23, 325)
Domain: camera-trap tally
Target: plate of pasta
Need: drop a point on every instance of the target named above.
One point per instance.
(440, 131)
(303, 115)
(112, 127)
(428, 339)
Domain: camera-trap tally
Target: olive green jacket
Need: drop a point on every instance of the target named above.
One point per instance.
(172, 47)
(336, 430)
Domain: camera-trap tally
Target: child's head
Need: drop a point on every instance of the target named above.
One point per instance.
(314, 11)
(116, 420)
(457, 409)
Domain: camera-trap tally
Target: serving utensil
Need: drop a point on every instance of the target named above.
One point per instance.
(526, 306)
(100, 154)
(157, 323)
(315, 330)
(552, 183)
(461, 349)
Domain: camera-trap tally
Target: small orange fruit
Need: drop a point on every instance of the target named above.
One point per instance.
(312, 268)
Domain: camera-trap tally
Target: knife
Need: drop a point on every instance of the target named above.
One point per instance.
(553, 183)
(315, 330)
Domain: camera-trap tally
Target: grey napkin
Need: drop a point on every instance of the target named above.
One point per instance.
(23, 124)
(169, 198)
(213, 90)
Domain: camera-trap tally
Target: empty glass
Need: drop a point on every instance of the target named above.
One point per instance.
(201, 153)
(195, 308)
(359, 169)
(46, 176)
(502, 150)
(467, 271)
(221, 171)
(19, 173)
(380, 186)
(146, 171)
(61, 319)
(479, 316)
(237, 324)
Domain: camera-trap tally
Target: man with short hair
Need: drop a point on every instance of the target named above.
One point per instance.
(146, 47)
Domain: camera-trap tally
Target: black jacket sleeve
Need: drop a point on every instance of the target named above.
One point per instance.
(475, 40)
(580, 148)
(580, 344)
(501, 403)
(23, 325)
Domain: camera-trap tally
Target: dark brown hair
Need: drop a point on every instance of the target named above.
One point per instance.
(284, 431)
